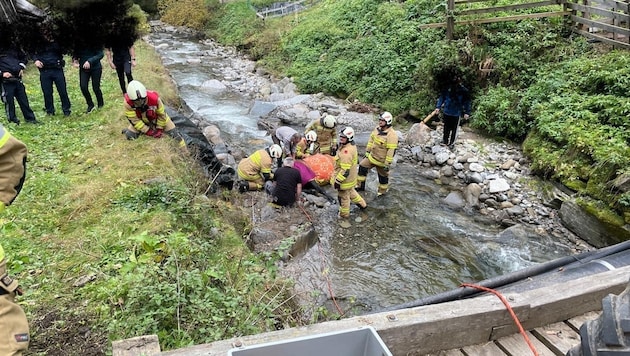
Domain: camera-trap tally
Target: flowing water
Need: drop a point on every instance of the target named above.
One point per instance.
(406, 246)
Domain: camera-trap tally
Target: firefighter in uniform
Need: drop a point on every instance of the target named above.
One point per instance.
(146, 113)
(326, 136)
(255, 170)
(379, 153)
(306, 146)
(14, 331)
(344, 177)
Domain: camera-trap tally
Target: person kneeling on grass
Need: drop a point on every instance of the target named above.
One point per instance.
(146, 113)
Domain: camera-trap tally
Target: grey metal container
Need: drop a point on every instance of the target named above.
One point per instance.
(363, 341)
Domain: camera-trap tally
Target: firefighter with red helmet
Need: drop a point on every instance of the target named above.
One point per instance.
(344, 178)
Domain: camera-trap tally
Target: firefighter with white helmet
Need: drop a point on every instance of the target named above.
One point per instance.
(146, 113)
(324, 128)
(379, 153)
(255, 169)
(14, 331)
(306, 146)
(344, 178)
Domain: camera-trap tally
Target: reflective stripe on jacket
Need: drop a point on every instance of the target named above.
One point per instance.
(256, 165)
(346, 170)
(382, 146)
(152, 114)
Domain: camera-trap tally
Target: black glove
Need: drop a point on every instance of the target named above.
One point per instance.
(130, 135)
(337, 185)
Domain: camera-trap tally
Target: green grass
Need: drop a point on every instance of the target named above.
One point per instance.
(131, 219)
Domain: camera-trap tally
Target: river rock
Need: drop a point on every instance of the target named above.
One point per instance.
(476, 167)
(498, 185)
(441, 157)
(419, 135)
(590, 228)
(455, 200)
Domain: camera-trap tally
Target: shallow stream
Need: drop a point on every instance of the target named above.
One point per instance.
(406, 246)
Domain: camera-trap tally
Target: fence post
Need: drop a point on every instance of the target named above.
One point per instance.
(450, 19)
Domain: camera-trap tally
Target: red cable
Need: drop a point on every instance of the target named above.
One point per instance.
(509, 308)
(321, 255)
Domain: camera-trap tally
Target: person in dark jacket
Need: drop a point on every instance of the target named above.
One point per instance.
(12, 65)
(285, 187)
(454, 102)
(122, 58)
(49, 60)
(88, 60)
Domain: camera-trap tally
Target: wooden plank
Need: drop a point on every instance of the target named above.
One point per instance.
(487, 349)
(506, 8)
(431, 328)
(499, 19)
(613, 4)
(592, 10)
(604, 26)
(558, 337)
(516, 345)
(603, 39)
(576, 323)
(452, 352)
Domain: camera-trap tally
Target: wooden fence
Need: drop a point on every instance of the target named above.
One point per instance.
(602, 20)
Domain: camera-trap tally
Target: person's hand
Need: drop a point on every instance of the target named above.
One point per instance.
(337, 185)
(386, 168)
(86, 65)
(436, 111)
(112, 65)
(75, 64)
(158, 133)
(466, 117)
(150, 132)
(333, 151)
(6, 75)
(39, 64)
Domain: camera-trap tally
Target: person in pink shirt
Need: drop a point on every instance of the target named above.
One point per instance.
(308, 180)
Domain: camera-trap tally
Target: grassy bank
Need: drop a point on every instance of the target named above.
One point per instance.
(114, 239)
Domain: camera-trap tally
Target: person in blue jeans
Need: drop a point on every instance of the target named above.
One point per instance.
(454, 102)
(49, 60)
(88, 60)
(12, 65)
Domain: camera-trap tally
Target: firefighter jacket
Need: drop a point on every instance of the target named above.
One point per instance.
(150, 115)
(303, 149)
(12, 167)
(326, 138)
(382, 146)
(257, 165)
(346, 167)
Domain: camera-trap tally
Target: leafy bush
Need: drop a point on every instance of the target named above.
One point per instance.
(190, 13)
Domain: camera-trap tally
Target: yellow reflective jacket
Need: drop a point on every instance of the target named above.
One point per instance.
(381, 146)
(346, 167)
(12, 167)
(152, 115)
(257, 165)
(326, 138)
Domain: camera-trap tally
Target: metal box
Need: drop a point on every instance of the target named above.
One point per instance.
(363, 341)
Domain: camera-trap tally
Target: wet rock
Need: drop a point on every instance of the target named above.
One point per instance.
(455, 200)
(588, 227)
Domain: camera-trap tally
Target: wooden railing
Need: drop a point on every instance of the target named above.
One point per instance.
(285, 9)
(602, 20)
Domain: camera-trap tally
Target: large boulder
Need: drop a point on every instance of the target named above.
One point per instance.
(589, 228)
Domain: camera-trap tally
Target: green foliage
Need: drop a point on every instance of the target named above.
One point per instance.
(500, 113)
(234, 23)
(190, 13)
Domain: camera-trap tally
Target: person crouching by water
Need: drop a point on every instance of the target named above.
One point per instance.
(255, 169)
(146, 113)
(344, 178)
(285, 187)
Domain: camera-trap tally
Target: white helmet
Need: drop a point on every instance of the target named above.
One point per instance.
(347, 132)
(275, 151)
(311, 136)
(329, 121)
(136, 90)
(387, 117)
